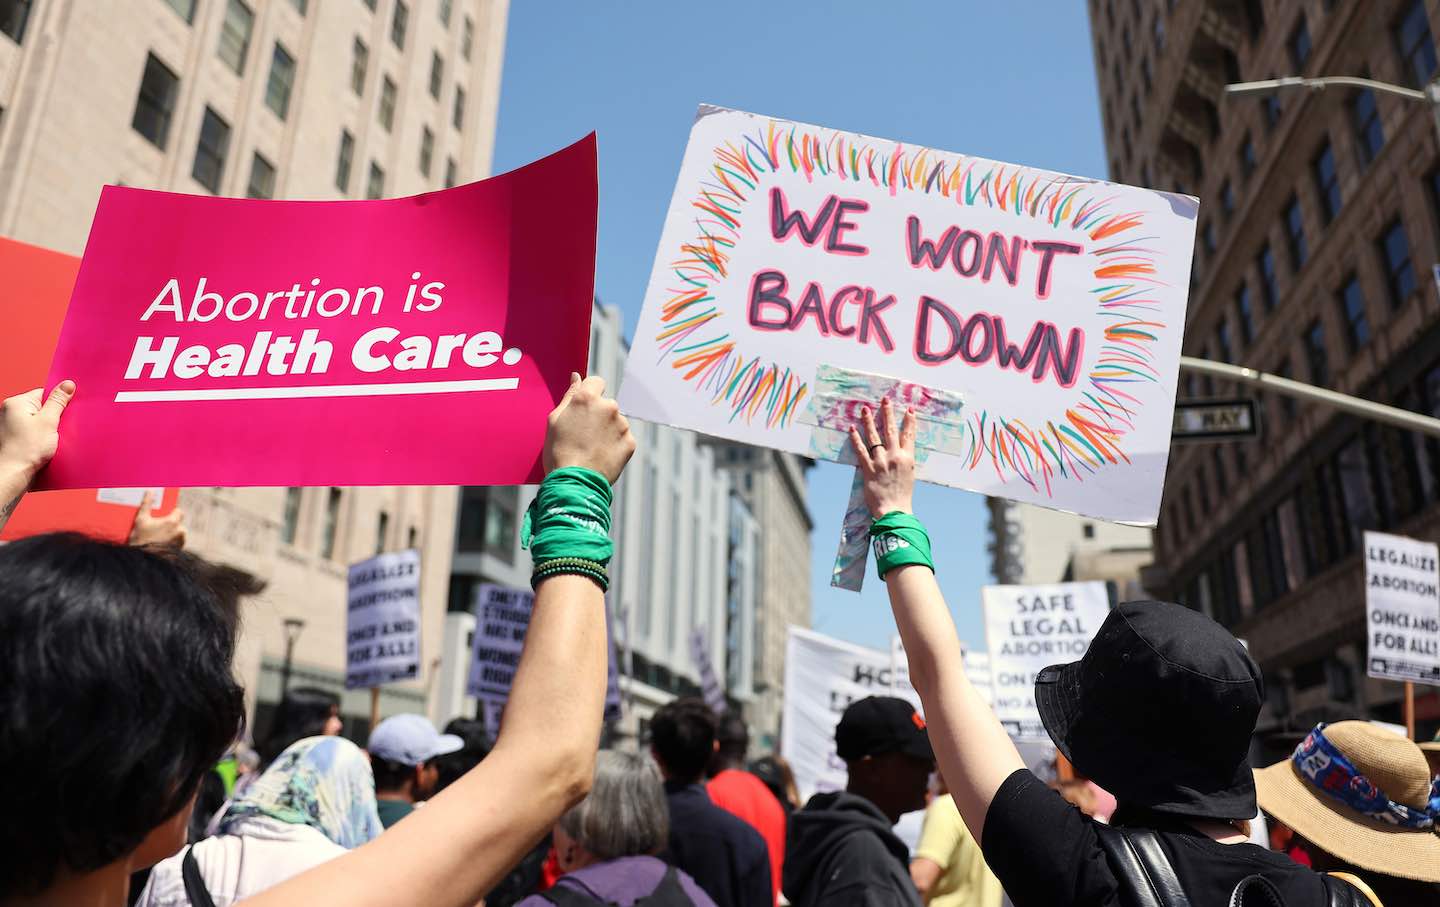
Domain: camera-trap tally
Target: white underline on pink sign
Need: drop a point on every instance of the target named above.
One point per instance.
(332, 390)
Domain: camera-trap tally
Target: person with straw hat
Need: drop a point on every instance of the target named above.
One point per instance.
(1362, 796)
(1432, 754)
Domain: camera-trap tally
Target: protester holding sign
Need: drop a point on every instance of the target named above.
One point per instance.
(119, 694)
(1159, 711)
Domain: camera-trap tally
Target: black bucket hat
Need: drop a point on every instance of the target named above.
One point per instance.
(1159, 712)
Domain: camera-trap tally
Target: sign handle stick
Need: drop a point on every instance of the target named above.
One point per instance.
(374, 708)
(1410, 709)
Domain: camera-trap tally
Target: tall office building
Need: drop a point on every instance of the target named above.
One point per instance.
(312, 99)
(1030, 544)
(1317, 235)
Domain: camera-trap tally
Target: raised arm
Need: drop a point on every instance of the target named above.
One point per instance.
(29, 435)
(457, 848)
(974, 752)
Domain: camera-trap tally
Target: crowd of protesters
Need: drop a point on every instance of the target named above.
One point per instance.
(126, 779)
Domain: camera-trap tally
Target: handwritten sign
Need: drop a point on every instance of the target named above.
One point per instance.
(383, 626)
(308, 343)
(1051, 304)
(1402, 608)
(1028, 629)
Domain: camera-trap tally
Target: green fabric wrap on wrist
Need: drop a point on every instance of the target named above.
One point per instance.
(569, 520)
(900, 539)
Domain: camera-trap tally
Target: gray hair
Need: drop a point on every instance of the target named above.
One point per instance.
(626, 814)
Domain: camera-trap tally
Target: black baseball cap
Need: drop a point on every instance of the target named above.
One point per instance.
(881, 724)
(1159, 712)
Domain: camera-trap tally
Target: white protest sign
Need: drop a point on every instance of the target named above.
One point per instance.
(823, 676)
(502, 615)
(1402, 608)
(1052, 305)
(383, 626)
(1028, 629)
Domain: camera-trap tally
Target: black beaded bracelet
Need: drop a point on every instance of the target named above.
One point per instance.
(596, 573)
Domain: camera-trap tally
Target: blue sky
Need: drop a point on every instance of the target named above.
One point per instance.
(1013, 81)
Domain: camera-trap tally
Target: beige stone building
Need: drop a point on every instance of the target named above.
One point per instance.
(1318, 232)
(295, 99)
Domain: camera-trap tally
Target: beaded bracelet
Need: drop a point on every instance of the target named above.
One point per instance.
(578, 566)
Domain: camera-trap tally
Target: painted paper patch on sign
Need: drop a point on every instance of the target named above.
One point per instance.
(1052, 304)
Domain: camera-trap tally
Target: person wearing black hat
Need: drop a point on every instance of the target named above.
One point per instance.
(1159, 712)
(842, 850)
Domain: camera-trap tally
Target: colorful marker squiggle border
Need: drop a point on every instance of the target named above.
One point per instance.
(1086, 437)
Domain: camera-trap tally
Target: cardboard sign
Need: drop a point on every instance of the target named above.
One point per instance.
(383, 627)
(32, 307)
(823, 675)
(416, 341)
(1052, 304)
(1028, 629)
(1402, 608)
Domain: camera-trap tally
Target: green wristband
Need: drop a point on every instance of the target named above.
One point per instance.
(570, 518)
(900, 539)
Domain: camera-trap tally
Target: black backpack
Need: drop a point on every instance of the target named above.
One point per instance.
(1148, 880)
(669, 893)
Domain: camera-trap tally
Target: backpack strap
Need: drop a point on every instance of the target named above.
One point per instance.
(1345, 890)
(566, 896)
(195, 888)
(668, 892)
(1144, 872)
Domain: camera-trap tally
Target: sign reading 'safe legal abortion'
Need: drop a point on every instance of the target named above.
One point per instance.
(1052, 304)
(1402, 608)
(417, 340)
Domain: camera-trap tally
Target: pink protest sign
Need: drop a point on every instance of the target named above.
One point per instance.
(418, 340)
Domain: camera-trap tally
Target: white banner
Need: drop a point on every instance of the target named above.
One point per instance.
(502, 615)
(383, 625)
(1402, 608)
(1029, 628)
(823, 675)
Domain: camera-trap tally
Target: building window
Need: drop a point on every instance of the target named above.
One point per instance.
(262, 178)
(235, 34)
(156, 103)
(467, 38)
(1222, 340)
(451, 173)
(1227, 198)
(1352, 306)
(427, 149)
(1295, 233)
(1245, 314)
(1217, 459)
(359, 63)
(211, 150)
(375, 186)
(301, 6)
(1273, 109)
(457, 116)
(382, 531)
(412, 538)
(1207, 236)
(370, 4)
(1417, 48)
(1247, 156)
(290, 525)
(186, 8)
(387, 103)
(1299, 45)
(343, 161)
(282, 80)
(331, 524)
(1269, 289)
(1316, 354)
(1147, 75)
(1327, 181)
(398, 23)
(446, 7)
(437, 74)
(1395, 253)
(1369, 134)
(14, 14)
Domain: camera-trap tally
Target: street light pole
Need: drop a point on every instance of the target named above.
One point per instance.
(293, 626)
(1265, 87)
(1368, 409)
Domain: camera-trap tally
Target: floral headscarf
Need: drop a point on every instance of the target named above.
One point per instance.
(323, 782)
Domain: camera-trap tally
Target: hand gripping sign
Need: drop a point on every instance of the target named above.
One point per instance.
(1051, 304)
(415, 340)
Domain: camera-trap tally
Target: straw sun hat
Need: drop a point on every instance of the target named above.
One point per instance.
(1321, 797)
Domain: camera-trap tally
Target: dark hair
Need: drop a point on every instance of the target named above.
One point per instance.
(302, 713)
(208, 801)
(734, 737)
(775, 772)
(119, 697)
(682, 734)
(390, 775)
(452, 766)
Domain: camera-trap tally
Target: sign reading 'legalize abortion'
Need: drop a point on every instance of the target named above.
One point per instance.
(313, 343)
(1052, 305)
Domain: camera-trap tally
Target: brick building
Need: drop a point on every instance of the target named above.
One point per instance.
(1318, 230)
